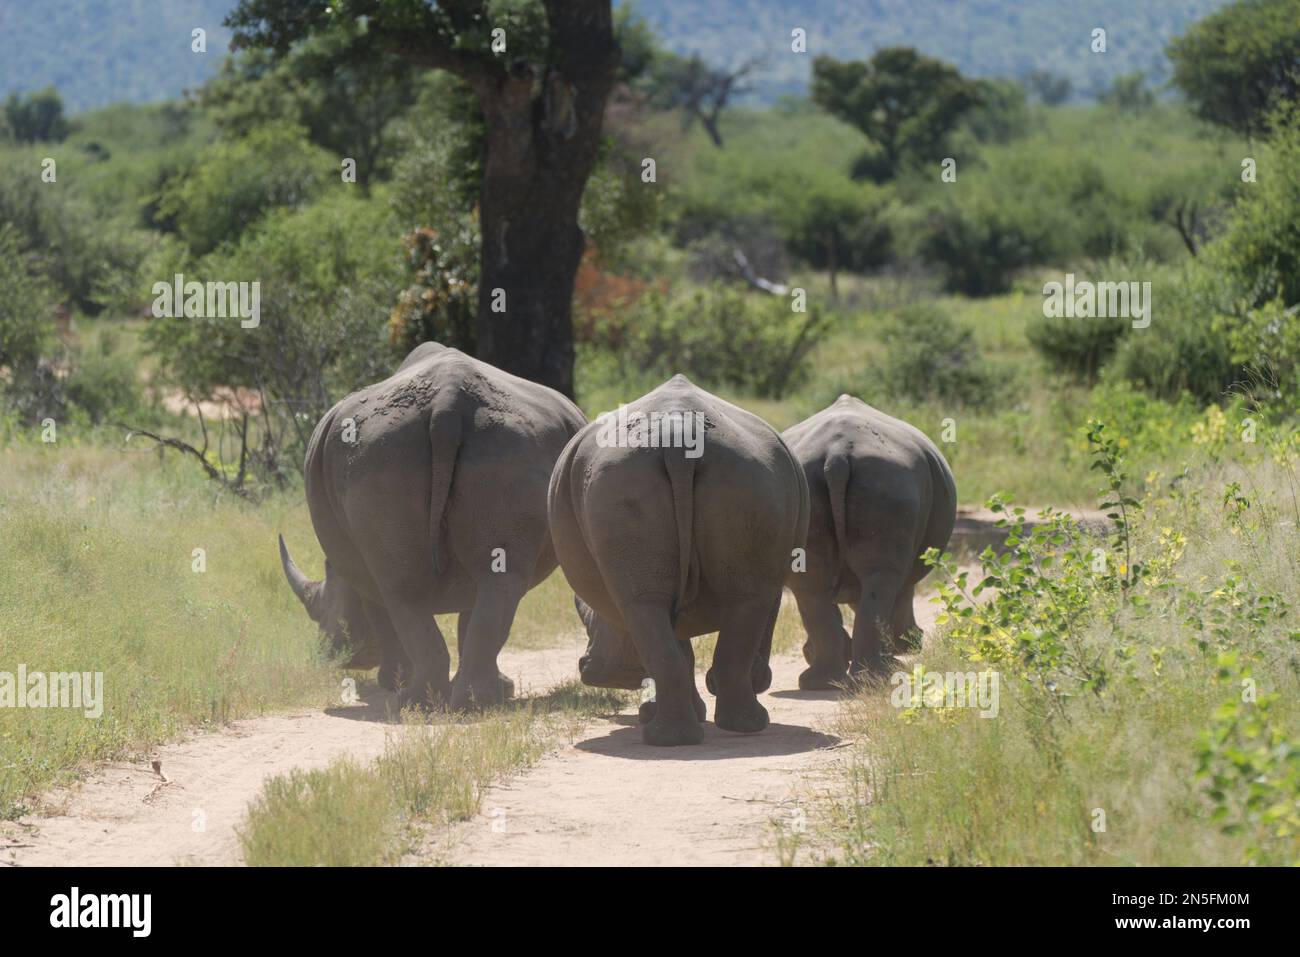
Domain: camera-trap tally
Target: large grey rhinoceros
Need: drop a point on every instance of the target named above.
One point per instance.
(882, 494)
(675, 517)
(427, 492)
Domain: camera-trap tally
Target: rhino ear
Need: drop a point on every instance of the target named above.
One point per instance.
(584, 612)
(302, 586)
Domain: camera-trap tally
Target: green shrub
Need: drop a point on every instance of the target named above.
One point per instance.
(718, 335)
(238, 182)
(103, 384)
(979, 247)
(329, 274)
(1077, 346)
(88, 261)
(929, 356)
(1185, 349)
(25, 306)
(1259, 250)
(1267, 341)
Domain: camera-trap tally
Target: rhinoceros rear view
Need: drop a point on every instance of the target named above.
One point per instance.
(427, 492)
(677, 517)
(881, 495)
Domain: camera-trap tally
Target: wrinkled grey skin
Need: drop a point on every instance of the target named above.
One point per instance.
(450, 462)
(660, 547)
(881, 494)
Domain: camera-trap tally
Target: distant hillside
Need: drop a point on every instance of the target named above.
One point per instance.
(98, 52)
(139, 50)
(982, 37)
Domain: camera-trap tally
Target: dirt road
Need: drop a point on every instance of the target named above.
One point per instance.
(608, 799)
(603, 798)
(128, 814)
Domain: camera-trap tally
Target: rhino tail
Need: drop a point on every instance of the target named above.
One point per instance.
(681, 476)
(837, 470)
(444, 444)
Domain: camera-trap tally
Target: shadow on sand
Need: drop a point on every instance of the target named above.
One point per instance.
(718, 745)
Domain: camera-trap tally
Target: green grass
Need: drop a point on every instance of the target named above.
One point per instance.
(949, 787)
(432, 774)
(96, 574)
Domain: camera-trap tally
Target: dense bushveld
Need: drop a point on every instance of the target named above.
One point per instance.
(1122, 677)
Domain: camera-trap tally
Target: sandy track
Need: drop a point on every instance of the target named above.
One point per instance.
(603, 798)
(608, 799)
(124, 814)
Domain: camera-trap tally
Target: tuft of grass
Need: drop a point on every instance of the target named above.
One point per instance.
(432, 774)
(338, 816)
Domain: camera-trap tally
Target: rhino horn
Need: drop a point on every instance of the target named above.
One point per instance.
(302, 586)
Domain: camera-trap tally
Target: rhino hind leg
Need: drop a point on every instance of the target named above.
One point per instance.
(411, 614)
(395, 664)
(646, 713)
(827, 649)
(675, 719)
(873, 623)
(462, 628)
(745, 627)
(906, 634)
(478, 682)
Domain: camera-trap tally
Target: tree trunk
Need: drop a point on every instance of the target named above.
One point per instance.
(539, 151)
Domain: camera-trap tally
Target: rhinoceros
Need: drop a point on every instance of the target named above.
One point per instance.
(674, 517)
(882, 494)
(427, 492)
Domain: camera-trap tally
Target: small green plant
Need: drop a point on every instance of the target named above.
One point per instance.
(1050, 582)
(1251, 766)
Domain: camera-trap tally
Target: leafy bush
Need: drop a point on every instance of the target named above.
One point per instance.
(979, 247)
(88, 261)
(1258, 251)
(329, 274)
(1267, 341)
(718, 335)
(442, 302)
(1078, 346)
(239, 181)
(1184, 349)
(103, 384)
(928, 356)
(34, 118)
(25, 307)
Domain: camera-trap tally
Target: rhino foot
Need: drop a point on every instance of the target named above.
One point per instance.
(745, 717)
(390, 676)
(470, 694)
(820, 679)
(909, 643)
(668, 732)
(646, 713)
(427, 699)
(874, 670)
